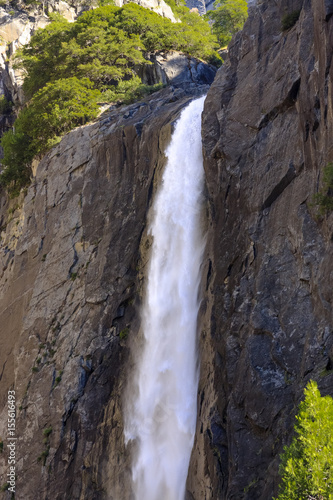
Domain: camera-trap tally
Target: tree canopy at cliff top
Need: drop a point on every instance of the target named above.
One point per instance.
(70, 68)
(108, 44)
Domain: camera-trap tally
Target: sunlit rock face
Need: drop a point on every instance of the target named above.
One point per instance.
(158, 6)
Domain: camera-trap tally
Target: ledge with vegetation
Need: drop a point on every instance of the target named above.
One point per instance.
(72, 68)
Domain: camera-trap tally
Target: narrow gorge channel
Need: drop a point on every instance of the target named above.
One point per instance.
(161, 416)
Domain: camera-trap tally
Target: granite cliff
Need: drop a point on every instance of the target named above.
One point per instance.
(73, 256)
(267, 314)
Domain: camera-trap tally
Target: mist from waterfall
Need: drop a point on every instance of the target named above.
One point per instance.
(162, 415)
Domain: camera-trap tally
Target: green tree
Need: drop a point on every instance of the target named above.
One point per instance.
(42, 57)
(307, 464)
(16, 162)
(228, 18)
(324, 198)
(108, 44)
(57, 108)
(53, 111)
(70, 67)
(92, 47)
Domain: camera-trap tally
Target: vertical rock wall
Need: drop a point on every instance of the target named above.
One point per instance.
(267, 316)
(71, 271)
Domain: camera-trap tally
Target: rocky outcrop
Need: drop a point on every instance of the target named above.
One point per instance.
(16, 29)
(71, 274)
(267, 316)
(197, 4)
(176, 68)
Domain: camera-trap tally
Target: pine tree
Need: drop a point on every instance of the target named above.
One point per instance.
(307, 464)
(228, 17)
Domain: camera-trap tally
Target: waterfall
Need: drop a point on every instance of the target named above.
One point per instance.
(163, 410)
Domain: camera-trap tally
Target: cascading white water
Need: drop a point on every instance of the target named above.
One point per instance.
(163, 412)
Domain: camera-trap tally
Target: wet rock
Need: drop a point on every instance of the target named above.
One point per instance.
(177, 69)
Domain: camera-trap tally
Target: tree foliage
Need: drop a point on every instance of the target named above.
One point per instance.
(70, 67)
(17, 160)
(324, 198)
(307, 464)
(107, 44)
(53, 111)
(228, 18)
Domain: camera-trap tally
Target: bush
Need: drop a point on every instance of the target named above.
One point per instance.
(289, 20)
(124, 334)
(56, 109)
(71, 67)
(5, 106)
(129, 91)
(307, 464)
(324, 199)
(53, 111)
(43, 456)
(228, 18)
(47, 431)
(16, 162)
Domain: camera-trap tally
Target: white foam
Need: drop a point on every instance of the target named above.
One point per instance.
(162, 416)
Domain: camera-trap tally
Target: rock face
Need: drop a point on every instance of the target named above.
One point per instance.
(267, 315)
(70, 286)
(176, 68)
(16, 30)
(73, 255)
(197, 4)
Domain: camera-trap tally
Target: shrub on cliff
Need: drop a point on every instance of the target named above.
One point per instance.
(129, 91)
(228, 18)
(324, 199)
(53, 111)
(289, 20)
(16, 161)
(307, 464)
